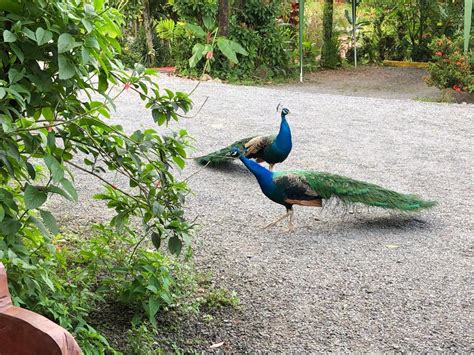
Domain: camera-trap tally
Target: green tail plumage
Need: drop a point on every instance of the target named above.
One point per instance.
(352, 191)
(222, 156)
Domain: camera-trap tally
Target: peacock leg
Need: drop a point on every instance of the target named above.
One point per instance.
(290, 220)
(278, 220)
(270, 167)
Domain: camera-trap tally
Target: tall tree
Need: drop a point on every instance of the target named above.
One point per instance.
(223, 17)
(148, 32)
(327, 50)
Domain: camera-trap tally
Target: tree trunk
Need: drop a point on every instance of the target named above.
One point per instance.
(148, 33)
(223, 17)
(327, 33)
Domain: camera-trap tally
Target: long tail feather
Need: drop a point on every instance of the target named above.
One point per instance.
(352, 191)
(221, 156)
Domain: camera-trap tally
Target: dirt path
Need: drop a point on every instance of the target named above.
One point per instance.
(365, 282)
(369, 81)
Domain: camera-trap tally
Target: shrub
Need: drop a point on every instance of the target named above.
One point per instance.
(450, 68)
(56, 76)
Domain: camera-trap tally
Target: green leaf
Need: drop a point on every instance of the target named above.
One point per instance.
(59, 191)
(34, 198)
(166, 297)
(3, 92)
(175, 245)
(43, 36)
(103, 82)
(57, 171)
(65, 43)
(139, 68)
(31, 170)
(9, 37)
(226, 49)
(2, 215)
(15, 75)
(153, 307)
(66, 68)
(155, 239)
(208, 22)
(49, 221)
(157, 208)
(238, 48)
(9, 226)
(47, 113)
(179, 161)
(48, 281)
(196, 30)
(198, 52)
(89, 9)
(87, 25)
(99, 5)
(69, 187)
(18, 52)
(40, 225)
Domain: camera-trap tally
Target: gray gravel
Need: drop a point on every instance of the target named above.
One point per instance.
(369, 281)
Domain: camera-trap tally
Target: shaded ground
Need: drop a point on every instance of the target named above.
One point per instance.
(369, 81)
(369, 281)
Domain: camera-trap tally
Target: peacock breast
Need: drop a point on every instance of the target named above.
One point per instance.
(274, 154)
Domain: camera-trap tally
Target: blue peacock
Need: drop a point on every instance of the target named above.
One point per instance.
(310, 188)
(270, 149)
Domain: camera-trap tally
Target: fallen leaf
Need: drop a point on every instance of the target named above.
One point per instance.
(217, 345)
(392, 246)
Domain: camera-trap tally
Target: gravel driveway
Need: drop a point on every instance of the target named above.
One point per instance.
(369, 281)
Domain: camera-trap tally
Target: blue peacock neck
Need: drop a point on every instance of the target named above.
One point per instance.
(283, 139)
(263, 175)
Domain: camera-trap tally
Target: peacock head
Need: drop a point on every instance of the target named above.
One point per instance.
(284, 112)
(235, 152)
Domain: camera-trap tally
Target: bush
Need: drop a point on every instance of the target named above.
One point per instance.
(255, 27)
(450, 67)
(56, 76)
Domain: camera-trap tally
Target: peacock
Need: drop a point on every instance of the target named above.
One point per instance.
(310, 188)
(271, 149)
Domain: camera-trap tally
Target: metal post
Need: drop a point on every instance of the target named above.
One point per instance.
(467, 23)
(301, 26)
(354, 41)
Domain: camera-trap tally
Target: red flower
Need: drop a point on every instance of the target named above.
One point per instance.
(209, 55)
(457, 88)
(50, 129)
(208, 39)
(126, 86)
(439, 54)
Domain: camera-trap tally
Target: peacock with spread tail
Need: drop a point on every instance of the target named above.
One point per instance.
(310, 188)
(271, 149)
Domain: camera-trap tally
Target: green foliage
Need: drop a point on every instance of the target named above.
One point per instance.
(135, 50)
(267, 41)
(59, 77)
(227, 47)
(202, 12)
(42, 279)
(402, 30)
(450, 68)
(142, 340)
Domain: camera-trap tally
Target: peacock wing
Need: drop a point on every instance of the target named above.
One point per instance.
(255, 146)
(296, 189)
